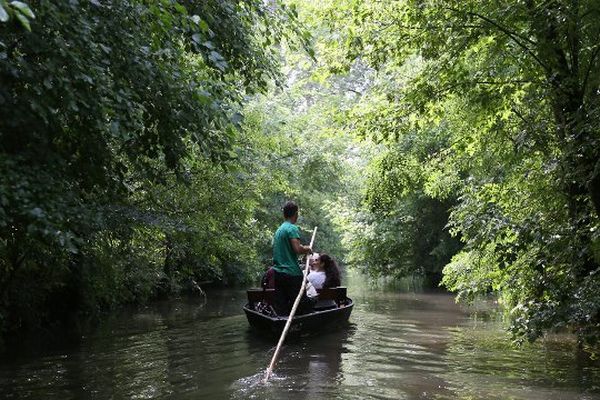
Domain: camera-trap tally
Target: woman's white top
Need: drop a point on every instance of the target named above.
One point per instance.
(317, 278)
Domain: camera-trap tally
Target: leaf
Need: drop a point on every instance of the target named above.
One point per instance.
(215, 56)
(180, 9)
(203, 25)
(105, 49)
(23, 20)
(237, 118)
(23, 8)
(218, 60)
(114, 128)
(37, 212)
(3, 14)
(204, 97)
(87, 79)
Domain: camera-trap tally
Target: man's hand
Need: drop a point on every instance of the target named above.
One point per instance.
(299, 248)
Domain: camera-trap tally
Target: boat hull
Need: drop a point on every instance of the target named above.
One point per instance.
(315, 322)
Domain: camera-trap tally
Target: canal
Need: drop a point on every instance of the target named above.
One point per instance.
(399, 345)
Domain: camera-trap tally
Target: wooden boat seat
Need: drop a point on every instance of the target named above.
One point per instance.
(331, 298)
(328, 298)
(337, 294)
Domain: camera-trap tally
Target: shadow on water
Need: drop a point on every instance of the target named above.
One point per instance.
(398, 345)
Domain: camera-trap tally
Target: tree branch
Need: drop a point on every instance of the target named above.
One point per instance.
(491, 83)
(508, 82)
(504, 29)
(589, 68)
(354, 91)
(573, 36)
(513, 35)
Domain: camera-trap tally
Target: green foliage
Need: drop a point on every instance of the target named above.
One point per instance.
(116, 118)
(515, 84)
(401, 230)
(146, 145)
(18, 11)
(305, 156)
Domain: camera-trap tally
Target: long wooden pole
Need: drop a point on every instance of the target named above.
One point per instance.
(291, 316)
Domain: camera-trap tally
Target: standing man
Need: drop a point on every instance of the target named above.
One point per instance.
(288, 275)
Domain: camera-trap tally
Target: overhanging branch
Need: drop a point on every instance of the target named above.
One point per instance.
(518, 39)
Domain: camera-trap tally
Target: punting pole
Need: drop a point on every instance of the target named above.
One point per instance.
(291, 316)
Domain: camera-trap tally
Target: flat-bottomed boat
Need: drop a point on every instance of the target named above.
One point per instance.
(330, 313)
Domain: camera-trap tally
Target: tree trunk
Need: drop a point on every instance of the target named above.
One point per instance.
(579, 159)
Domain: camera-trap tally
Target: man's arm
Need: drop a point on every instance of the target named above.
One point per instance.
(299, 248)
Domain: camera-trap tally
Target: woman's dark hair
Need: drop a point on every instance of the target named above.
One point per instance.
(332, 272)
(290, 209)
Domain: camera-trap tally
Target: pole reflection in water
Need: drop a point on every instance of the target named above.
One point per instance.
(398, 345)
(309, 367)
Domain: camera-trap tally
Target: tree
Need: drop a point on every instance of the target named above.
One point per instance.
(306, 157)
(517, 84)
(408, 233)
(102, 105)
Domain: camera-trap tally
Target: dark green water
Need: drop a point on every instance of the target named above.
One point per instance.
(398, 346)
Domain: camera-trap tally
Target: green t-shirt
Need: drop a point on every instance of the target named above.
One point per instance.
(285, 259)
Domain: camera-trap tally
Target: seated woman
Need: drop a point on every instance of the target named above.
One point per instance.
(325, 274)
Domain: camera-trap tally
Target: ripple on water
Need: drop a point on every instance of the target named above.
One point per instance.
(399, 346)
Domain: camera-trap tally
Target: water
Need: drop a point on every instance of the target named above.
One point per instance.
(398, 346)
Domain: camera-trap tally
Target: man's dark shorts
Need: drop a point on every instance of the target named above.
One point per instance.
(286, 291)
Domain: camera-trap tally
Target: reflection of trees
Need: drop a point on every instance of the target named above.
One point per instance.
(134, 365)
(137, 353)
(179, 348)
(397, 350)
(483, 362)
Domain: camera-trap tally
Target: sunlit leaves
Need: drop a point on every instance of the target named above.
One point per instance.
(511, 83)
(16, 9)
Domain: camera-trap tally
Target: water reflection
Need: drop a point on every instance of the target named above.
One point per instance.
(482, 362)
(309, 367)
(397, 346)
